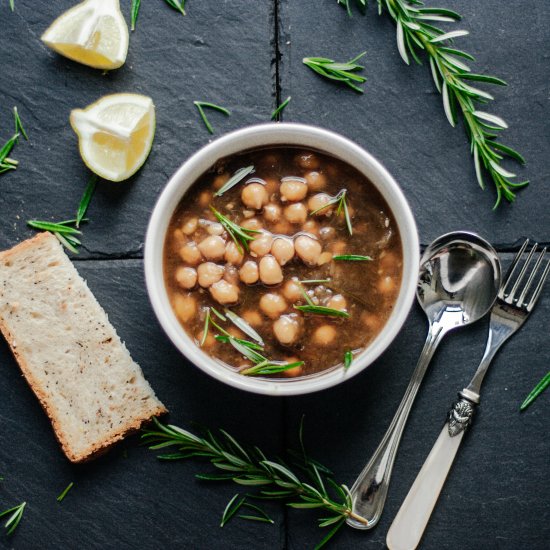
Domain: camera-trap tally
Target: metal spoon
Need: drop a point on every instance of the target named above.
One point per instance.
(458, 283)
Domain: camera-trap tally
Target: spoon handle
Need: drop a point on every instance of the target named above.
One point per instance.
(371, 487)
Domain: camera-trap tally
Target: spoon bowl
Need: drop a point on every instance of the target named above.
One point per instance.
(459, 278)
(458, 282)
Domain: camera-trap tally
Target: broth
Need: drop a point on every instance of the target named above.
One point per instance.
(291, 206)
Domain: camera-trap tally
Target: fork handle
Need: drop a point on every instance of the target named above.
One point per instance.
(410, 522)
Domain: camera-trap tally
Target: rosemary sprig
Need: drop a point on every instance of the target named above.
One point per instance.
(275, 115)
(18, 125)
(452, 78)
(536, 391)
(348, 359)
(310, 486)
(352, 258)
(314, 309)
(177, 5)
(201, 105)
(240, 235)
(237, 177)
(341, 72)
(266, 367)
(65, 491)
(342, 205)
(16, 515)
(347, 4)
(6, 163)
(85, 200)
(134, 13)
(62, 231)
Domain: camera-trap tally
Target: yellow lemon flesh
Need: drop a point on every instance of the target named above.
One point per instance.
(115, 134)
(93, 33)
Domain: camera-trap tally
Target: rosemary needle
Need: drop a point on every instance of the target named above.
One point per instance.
(237, 177)
(352, 258)
(134, 12)
(65, 491)
(16, 515)
(201, 105)
(18, 125)
(275, 115)
(178, 6)
(348, 359)
(536, 391)
(86, 198)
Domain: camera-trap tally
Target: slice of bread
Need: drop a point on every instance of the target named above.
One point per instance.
(70, 354)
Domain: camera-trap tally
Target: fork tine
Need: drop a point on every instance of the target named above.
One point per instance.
(538, 290)
(511, 269)
(519, 280)
(525, 290)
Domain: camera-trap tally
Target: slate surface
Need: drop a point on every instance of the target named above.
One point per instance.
(496, 495)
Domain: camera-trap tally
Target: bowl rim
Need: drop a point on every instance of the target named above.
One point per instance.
(265, 135)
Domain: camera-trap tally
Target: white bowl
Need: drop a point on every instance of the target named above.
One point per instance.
(265, 135)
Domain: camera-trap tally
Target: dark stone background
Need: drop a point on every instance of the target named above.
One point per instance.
(496, 496)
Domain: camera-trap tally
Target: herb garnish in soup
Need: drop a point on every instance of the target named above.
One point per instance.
(282, 262)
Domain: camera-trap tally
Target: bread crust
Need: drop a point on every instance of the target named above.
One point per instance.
(111, 438)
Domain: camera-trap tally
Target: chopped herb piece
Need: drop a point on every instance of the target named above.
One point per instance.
(85, 201)
(231, 509)
(201, 105)
(322, 310)
(348, 359)
(275, 115)
(65, 491)
(134, 12)
(340, 72)
(240, 235)
(270, 367)
(352, 258)
(237, 177)
(536, 391)
(240, 323)
(16, 515)
(18, 125)
(341, 202)
(177, 5)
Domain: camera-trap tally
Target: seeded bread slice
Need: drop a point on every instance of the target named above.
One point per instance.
(70, 354)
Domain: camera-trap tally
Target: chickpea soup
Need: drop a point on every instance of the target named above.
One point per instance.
(282, 262)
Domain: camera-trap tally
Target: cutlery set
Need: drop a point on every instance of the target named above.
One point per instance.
(459, 283)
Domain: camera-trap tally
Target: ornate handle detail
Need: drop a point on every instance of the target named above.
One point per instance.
(460, 416)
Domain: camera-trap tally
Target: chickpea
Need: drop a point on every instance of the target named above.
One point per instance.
(389, 261)
(271, 185)
(292, 291)
(337, 302)
(209, 341)
(231, 274)
(252, 223)
(214, 228)
(185, 307)
(327, 233)
(308, 249)
(286, 330)
(254, 195)
(282, 227)
(248, 214)
(209, 273)
(272, 212)
(220, 181)
(261, 245)
(249, 272)
(270, 271)
(225, 293)
(213, 247)
(178, 239)
(232, 254)
(205, 198)
(190, 253)
(324, 258)
(296, 213)
(272, 304)
(293, 189)
(283, 250)
(386, 284)
(235, 332)
(186, 277)
(316, 181)
(307, 160)
(311, 226)
(324, 335)
(320, 200)
(252, 317)
(190, 226)
(339, 247)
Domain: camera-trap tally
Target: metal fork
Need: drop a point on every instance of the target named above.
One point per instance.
(511, 310)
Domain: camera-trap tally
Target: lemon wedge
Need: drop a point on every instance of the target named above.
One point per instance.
(93, 33)
(115, 134)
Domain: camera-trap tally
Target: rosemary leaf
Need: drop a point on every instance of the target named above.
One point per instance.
(352, 258)
(85, 201)
(231, 509)
(275, 115)
(18, 125)
(240, 323)
(65, 491)
(16, 515)
(178, 6)
(237, 177)
(53, 227)
(536, 391)
(12, 5)
(240, 235)
(257, 518)
(322, 310)
(270, 367)
(7, 147)
(66, 243)
(341, 205)
(201, 105)
(348, 359)
(330, 534)
(134, 13)
(341, 72)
